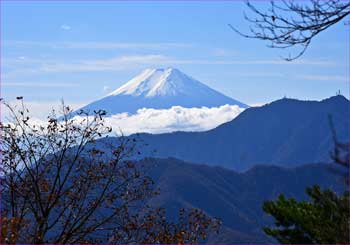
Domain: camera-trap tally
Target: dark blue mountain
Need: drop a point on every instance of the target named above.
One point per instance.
(286, 132)
(235, 198)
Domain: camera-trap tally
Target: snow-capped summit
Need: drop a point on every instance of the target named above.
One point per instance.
(155, 82)
(160, 82)
(161, 89)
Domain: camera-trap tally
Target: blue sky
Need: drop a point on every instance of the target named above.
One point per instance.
(80, 51)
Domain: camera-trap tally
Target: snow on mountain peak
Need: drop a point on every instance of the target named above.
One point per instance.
(161, 89)
(157, 82)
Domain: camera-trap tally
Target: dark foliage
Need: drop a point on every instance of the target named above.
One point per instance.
(323, 220)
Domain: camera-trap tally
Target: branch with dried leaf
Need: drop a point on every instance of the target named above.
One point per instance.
(60, 184)
(287, 24)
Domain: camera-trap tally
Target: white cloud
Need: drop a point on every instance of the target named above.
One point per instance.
(334, 78)
(109, 45)
(111, 64)
(176, 118)
(221, 52)
(38, 110)
(126, 62)
(39, 84)
(96, 45)
(149, 120)
(301, 77)
(66, 27)
(135, 61)
(106, 89)
(218, 52)
(260, 62)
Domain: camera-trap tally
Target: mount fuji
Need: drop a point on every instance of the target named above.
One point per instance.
(161, 89)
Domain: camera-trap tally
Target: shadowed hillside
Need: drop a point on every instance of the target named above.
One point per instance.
(236, 198)
(286, 132)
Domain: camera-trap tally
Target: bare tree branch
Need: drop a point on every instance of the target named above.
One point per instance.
(287, 24)
(60, 185)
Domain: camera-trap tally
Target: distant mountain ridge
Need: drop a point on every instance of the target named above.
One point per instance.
(161, 89)
(235, 198)
(286, 132)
